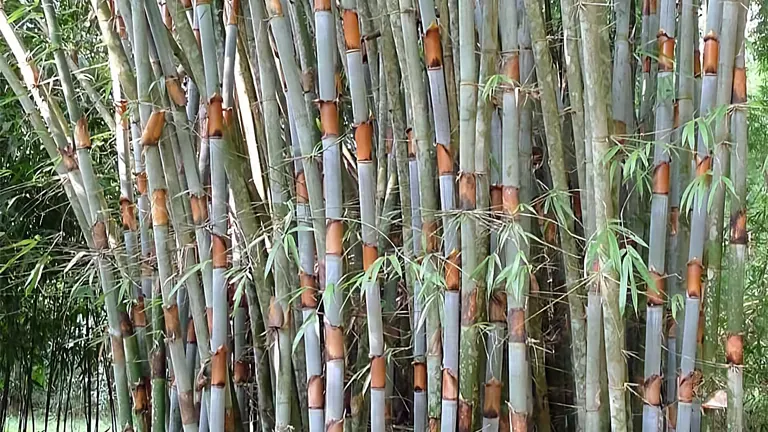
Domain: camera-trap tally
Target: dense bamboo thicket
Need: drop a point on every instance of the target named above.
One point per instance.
(431, 215)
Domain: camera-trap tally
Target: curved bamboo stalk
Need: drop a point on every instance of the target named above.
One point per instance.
(598, 97)
(59, 130)
(737, 248)
(366, 171)
(48, 143)
(664, 124)
(97, 215)
(333, 296)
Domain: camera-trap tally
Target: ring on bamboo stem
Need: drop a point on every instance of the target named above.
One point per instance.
(140, 404)
(411, 143)
(118, 353)
(329, 118)
(334, 342)
(652, 390)
(646, 64)
(703, 165)
(127, 214)
(138, 313)
(666, 51)
(126, 327)
(444, 159)
(656, 293)
(219, 251)
(674, 220)
(433, 51)
(453, 271)
(315, 397)
(685, 387)
(519, 421)
(191, 335)
(379, 372)
(661, 178)
(734, 349)
(465, 416)
(199, 207)
(739, 85)
(450, 385)
(738, 225)
(154, 129)
(370, 254)
(159, 209)
(693, 279)
(351, 29)
(275, 314)
(492, 399)
(158, 367)
(308, 291)
(419, 376)
(497, 311)
(215, 117)
(516, 325)
(302, 195)
(467, 191)
(99, 234)
(234, 8)
(696, 66)
(68, 158)
(82, 137)
(432, 241)
(175, 91)
(172, 324)
(334, 237)
(363, 139)
(496, 198)
(141, 182)
(322, 5)
(219, 367)
(671, 327)
(469, 313)
(242, 372)
(711, 53)
(512, 67)
(511, 200)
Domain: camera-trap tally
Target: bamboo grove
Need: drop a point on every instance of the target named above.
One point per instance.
(435, 215)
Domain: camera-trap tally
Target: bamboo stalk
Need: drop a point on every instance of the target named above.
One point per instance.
(598, 96)
(283, 41)
(652, 408)
(366, 170)
(650, 27)
(333, 297)
(737, 248)
(96, 216)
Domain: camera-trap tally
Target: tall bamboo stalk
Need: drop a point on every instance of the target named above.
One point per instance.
(470, 296)
(97, 215)
(332, 185)
(737, 247)
(366, 171)
(664, 123)
(649, 48)
(594, 42)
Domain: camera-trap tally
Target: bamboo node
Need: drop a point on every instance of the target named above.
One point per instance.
(329, 118)
(140, 404)
(496, 198)
(450, 385)
(175, 91)
(661, 179)
(516, 325)
(370, 254)
(99, 233)
(419, 376)
(519, 421)
(126, 328)
(172, 324)
(302, 195)
(465, 416)
(276, 315)
(215, 117)
(379, 372)
(693, 279)
(159, 209)
(219, 367)
(666, 52)
(431, 239)
(334, 342)
(322, 5)
(334, 237)
(433, 51)
(453, 271)
(219, 251)
(351, 29)
(191, 335)
(711, 53)
(127, 214)
(118, 352)
(274, 7)
(315, 397)
(469, 307)
(138, 313)
(652, 390)
(444, 159)
(738, 225)
(82, 137)
(154, 129)
(739, 95)
(734, 349)
(511, 201)
(467, 191)
(158, 367)
(242, 372)
(492, 400)
(656, 293)
(364, 139)
(498, 307)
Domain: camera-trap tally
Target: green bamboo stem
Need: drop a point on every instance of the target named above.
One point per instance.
(593, 43)
(737, 248)
(558, 171)
(93, 94)
(180, 11)
(449, 69)
(305, 51)
(97, 215)
(650, 26)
